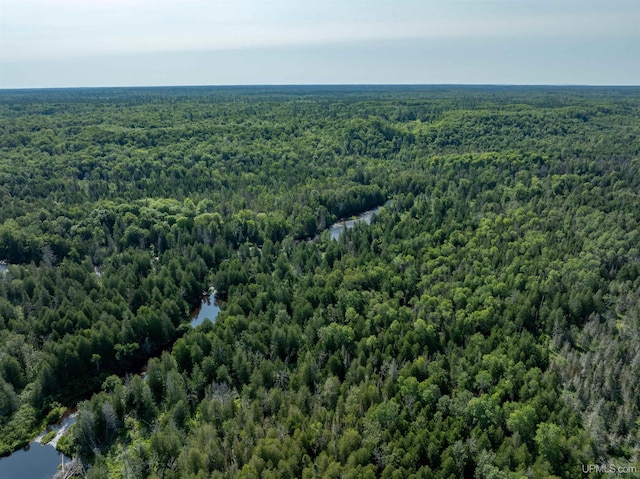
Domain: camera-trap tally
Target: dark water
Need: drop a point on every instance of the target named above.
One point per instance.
(208, 310)
(34, 462)
(3, 268)
(338, 228)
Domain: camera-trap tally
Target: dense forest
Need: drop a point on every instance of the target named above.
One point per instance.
(485, 324)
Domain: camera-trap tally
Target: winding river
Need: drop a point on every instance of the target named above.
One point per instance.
(41, 461)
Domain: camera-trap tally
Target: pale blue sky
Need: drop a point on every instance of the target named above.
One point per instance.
(69, 43)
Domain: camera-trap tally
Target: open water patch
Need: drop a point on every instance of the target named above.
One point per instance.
(208, 310)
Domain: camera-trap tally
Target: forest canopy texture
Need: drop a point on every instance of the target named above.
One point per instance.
(485, 324)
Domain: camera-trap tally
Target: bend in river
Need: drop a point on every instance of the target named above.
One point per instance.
(339, 227)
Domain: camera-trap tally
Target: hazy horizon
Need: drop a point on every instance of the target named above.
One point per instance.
(382, 86)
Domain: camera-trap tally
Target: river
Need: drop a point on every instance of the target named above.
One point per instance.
(338, 228)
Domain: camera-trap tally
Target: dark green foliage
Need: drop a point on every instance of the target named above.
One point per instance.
(483, 324)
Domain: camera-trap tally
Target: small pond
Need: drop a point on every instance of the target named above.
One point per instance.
(36, 461)
(208, 310)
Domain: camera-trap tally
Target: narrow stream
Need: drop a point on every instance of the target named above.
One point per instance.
(340, 227)
(60, 428)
